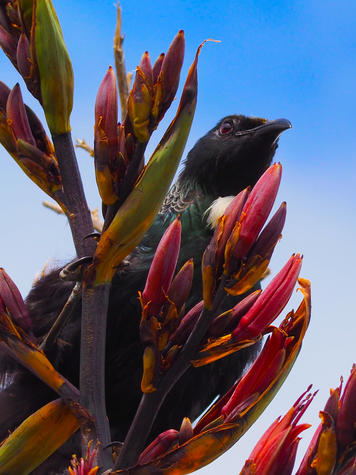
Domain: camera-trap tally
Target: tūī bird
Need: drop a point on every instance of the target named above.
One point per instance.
(230, 157)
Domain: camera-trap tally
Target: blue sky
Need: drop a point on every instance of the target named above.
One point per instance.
(292, 59)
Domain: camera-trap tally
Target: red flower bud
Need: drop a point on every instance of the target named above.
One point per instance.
(167, 83)
(146, 67)
(159, 446)
(186, 431)
(10, 297)
(23, 55)
(8, 43)
(346, 420)
(227, 321)
(17, 117)
(181, 285)
(162, 268)
(187, 324)
(257, 208)
(271, 302)
(231, 215)
(157, 67)
(4, 94)
(105, 137)
(277, 447)
(106, 114)
(270, 234)
(260, 374)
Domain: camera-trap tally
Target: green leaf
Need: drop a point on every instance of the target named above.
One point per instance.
(37, 438)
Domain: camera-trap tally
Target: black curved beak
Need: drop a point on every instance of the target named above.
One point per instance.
(271, 128)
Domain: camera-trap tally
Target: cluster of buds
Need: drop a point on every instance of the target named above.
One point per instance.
(277, 447)
(163, 302)
(332, 448)
(129, 217)
(24, 137)
(239, 249)
(30, 35)
(166, 441)
(236, 259)
(234, 412)
(165, 327)
(118, 148)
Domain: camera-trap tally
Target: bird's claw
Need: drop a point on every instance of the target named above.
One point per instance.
(73, 271)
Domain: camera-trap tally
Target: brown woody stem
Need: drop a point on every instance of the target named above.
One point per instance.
(78, 213)
(92, 367)
(94, 304)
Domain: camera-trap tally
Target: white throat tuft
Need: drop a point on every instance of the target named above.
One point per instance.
(217, 209)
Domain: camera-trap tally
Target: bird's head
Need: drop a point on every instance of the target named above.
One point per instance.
(234, 154)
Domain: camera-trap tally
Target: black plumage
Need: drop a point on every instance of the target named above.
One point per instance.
(228, 158)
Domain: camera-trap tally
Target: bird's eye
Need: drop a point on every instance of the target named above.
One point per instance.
(225, 128)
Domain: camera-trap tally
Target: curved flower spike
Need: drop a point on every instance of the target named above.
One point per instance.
(136, 214)
(214, 433)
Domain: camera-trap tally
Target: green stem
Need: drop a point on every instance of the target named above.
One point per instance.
(79, 215)
(151, 402)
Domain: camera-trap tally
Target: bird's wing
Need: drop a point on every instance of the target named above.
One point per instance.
(178, 199)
